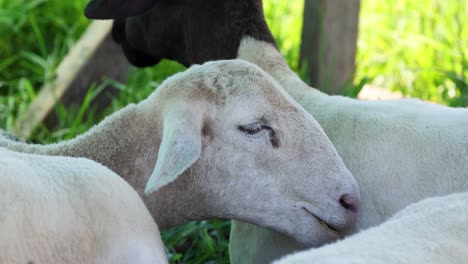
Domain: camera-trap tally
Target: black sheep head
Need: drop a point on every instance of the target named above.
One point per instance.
(188, 31)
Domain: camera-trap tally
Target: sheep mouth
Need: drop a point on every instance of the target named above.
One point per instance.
(322, 222)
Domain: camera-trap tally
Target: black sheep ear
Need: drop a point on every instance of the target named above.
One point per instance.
(113, 9)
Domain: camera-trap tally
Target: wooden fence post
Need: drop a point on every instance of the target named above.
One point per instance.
(329, 39)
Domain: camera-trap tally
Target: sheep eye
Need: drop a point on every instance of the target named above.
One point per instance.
(253, 128)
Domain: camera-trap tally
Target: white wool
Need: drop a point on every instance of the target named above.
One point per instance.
(432, 231)
(71, 210)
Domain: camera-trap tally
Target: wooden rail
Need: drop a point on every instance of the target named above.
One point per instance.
(92, 57)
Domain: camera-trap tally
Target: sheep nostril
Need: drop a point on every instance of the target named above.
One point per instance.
(350, 202)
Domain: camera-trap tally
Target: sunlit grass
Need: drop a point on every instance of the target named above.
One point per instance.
(419, 48)
(284, 19)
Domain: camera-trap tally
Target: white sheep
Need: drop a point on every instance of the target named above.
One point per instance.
(71, 210)
(222, 136)
(431, 231)
(399, 151)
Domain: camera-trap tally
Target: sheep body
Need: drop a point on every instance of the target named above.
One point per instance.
(71, 210)
(430, 231)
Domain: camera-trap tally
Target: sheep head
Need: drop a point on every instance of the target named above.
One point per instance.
(241, 148)
(188, 31)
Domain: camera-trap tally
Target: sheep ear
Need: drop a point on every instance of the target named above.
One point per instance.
(113, 9)
(180, 148)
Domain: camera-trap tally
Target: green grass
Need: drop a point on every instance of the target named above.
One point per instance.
(34, 37)
(283, 18)
(198, 242)
(418, 48)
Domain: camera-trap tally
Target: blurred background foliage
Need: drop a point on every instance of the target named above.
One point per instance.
(419, 48)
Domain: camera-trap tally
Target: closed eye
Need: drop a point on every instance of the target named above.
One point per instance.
(254, 128)
(257, 127)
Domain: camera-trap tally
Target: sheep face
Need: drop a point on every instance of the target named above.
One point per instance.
(239, 147)
(188, 31)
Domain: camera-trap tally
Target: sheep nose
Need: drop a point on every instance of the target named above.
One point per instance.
(350, 202)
